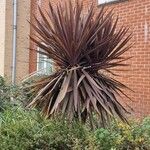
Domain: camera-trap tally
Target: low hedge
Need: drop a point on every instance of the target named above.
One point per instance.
(26, 130)
(22, 129)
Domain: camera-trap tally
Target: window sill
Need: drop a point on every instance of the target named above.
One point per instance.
(113, 2)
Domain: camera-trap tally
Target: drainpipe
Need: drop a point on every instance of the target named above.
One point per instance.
(14, 42)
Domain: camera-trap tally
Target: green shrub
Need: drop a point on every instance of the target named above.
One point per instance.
(22, 129)
(11, 95)
(120, 136)
(26, 130)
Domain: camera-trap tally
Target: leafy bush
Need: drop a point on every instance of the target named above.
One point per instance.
(26, 130)
(22, 129)
(11, 95)
(6, 92)
(124, 137)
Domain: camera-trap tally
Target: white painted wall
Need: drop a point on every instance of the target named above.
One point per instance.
(2, 35)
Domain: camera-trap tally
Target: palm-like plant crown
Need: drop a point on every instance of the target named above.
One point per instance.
(81, 46)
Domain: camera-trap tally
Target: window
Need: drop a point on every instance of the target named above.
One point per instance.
(106, 1)
(44, 65)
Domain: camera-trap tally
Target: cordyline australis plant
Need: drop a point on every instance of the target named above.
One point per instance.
(82, 46)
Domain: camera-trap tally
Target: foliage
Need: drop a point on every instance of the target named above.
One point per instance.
(123, 137)
(11, 95)
(22, 129)
(83, 47)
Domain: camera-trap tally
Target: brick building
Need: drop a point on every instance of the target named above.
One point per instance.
(132, 13)
(6, 34)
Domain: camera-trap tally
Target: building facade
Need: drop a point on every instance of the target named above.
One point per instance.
(132, 13)
(6, 43)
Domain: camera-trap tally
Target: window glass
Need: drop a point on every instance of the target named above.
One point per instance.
(105, 1)
(44, 64)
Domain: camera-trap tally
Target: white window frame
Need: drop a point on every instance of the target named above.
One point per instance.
(45, 60)
(106, 1)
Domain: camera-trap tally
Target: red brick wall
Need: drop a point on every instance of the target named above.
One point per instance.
(134, 14)
(33, 55)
